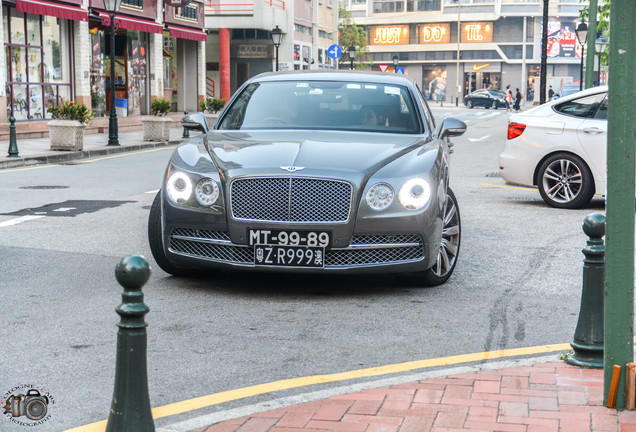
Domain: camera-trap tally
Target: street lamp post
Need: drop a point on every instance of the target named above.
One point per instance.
(581, 35)
(277, 38)
(600, 45)
(352, 54)
(112, 7)
(396, 62)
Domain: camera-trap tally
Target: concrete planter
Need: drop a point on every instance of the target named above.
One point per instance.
(211, 119)
(156, 128)
(66, 134)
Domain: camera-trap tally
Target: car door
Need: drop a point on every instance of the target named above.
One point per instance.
(592, 134)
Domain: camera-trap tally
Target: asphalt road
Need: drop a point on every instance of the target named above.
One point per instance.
(517, 284)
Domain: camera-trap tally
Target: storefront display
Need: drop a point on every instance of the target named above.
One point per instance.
(434, 82)
(131, 65)
(37, 77)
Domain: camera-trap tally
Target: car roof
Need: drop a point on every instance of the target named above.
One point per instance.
(331, 75)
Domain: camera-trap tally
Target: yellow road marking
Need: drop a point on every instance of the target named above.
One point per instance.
(523, 188)
(509, 187)
(85, 161)
(231, 395)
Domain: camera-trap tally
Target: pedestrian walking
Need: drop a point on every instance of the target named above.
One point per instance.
(518, 97)
(550, 93)
(509, 101)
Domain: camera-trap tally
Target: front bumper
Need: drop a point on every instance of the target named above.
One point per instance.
(193, 239)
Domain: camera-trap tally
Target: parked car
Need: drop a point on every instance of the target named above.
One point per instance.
(486, 98)
(561, 148)
(297, 174)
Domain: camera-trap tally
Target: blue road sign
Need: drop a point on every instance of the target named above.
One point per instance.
(399, 70)
(334, 51)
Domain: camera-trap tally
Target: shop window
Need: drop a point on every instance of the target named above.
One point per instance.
(37, 76)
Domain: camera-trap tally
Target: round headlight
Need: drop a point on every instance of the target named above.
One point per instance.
(415, 194)
(207, 192)
(380, 196)
(179, 187)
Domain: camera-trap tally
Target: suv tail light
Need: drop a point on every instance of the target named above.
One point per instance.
(515, 129)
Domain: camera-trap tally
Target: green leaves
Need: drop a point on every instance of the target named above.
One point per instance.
(70, 110)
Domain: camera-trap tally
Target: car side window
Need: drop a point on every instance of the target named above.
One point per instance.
(601, 114)
(584, 107)
(428, 116)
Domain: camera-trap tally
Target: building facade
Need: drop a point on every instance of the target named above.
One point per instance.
(60, 50)
(453, 47)
(240, 45)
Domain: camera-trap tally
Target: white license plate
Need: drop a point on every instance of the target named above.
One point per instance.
(289, 256)
(320, 239)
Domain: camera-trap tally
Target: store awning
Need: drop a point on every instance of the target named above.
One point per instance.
(130, 23)
(187, 33)
(58, 10)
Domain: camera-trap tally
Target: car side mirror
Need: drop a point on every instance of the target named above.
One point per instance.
(195, 121)
(451, 127)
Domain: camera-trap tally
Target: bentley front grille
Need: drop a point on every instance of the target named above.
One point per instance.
(291, 199)
(363, 251)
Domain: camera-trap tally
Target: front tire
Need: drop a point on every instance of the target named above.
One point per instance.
(449, 247)
(469, 104)
(156, 244)
(565, 181)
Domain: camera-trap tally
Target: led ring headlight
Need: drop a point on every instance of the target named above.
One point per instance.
(380, 196)
(179, 187)
(415, 194)
(207, 192)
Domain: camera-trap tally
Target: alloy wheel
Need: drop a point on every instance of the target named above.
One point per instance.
(562, 180)
(449, 247)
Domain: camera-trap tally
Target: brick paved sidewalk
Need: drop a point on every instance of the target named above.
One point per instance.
(544, 397)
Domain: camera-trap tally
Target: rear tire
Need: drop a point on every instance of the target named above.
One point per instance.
(155, 236)
(449, 247)
(565, 181)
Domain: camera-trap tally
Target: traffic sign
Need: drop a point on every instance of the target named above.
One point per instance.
(334, 51)
(399, 70)
(383, 67)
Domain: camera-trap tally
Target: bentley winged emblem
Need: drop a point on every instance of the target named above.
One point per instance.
(292, 169)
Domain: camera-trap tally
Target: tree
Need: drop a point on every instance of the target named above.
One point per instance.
(349, 34)
(603, 23)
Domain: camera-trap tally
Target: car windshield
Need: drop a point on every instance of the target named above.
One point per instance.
(323, 105)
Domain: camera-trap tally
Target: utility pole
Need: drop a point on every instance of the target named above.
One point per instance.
(621, 144)
(591, 41)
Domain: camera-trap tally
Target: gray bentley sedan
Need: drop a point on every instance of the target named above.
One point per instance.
(310, 171)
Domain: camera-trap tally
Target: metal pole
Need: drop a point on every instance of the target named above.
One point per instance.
(581, 73)
(544, 53)
(276, 58)
(13, 142)
(113, 132)
(130, 408)
(459, 37)
(619, 238)
(591, 39)
(588, 336)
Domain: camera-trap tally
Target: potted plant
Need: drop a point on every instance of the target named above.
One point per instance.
(157, 127)
(66, 130)
(210, 107)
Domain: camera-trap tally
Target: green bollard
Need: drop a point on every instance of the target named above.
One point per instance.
(130, 408)
(588, 341)
(186, 132)
(13, 141)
